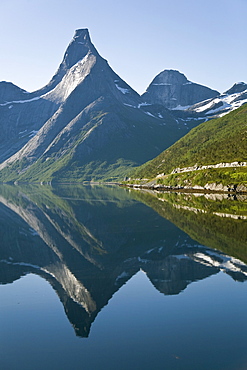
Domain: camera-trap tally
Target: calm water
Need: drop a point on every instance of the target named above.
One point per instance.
(105, 278)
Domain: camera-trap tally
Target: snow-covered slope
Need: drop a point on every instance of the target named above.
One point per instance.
(220, 105)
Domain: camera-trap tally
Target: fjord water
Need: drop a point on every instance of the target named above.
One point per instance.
(107, 278)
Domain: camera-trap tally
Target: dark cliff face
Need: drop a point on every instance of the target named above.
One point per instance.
(21, 116)
(171, 89)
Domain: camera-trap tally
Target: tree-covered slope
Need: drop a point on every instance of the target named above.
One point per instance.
(223, 140)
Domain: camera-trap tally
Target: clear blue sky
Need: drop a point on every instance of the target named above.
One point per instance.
(205, 40)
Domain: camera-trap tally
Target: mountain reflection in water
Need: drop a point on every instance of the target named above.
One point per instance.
(87, 242)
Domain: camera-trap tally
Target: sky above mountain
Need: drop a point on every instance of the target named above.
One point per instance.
(204, 40)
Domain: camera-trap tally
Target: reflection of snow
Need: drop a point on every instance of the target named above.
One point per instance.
(223, 262)
(123, 275)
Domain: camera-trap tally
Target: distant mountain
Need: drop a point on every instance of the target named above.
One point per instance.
(191, 103)
(172, 89)
(215, 152)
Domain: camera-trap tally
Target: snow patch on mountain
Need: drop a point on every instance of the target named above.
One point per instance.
(218, 106)
(223, 262)
(122, 89)
(19, 102)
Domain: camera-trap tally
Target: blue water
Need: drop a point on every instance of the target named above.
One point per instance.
(202, 328)
(153, 310)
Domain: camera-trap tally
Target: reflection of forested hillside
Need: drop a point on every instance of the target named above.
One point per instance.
(88, 241)
(216, 221)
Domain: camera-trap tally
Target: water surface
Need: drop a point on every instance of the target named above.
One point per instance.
(105, 278)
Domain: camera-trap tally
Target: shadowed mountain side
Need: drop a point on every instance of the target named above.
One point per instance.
(87, 242)
(20, 121)
(106, 137)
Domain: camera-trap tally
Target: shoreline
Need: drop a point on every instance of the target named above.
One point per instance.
(214, 189)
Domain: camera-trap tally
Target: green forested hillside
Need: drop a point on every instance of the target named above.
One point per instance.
(217, 141)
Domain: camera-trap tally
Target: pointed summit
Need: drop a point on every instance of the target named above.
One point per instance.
(78, 48)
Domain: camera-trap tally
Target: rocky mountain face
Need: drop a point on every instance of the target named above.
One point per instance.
(21, 116)
(172, 89)
(89, 124)
(191, 103)
(9, 92)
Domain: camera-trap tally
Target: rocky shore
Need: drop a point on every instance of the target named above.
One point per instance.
(213, 187)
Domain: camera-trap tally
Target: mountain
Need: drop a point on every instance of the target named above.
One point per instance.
(97, 125)
(172, 89)
(191, 103)
(212, 155)
(89, 124)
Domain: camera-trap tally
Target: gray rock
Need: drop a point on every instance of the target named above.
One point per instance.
(10, 92)
(237, 88)
(172, 89)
